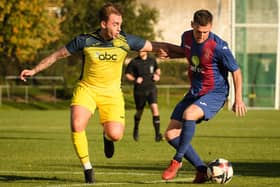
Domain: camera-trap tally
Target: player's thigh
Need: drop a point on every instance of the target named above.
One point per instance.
(111, 107)
(180, 108)
(82, 107)
(210, 104)
(84, 96)
(193, 112)
(79, 118)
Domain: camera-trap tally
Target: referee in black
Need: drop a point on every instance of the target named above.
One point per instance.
(143, 71)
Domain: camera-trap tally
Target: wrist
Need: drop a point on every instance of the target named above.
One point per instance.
(35, 70)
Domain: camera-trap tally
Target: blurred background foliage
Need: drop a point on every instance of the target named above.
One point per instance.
(32, 29)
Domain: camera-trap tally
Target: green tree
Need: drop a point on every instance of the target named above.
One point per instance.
(29, 30)
(25, 27)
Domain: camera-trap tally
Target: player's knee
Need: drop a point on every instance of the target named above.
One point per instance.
(78, 125)
(114, 131)
(114, 136)
(170, 134)
(193, 113)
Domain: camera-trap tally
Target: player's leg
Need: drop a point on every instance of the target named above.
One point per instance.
(112, 116)
(210, 104)
(79, 120)
(190, 116)
(179, 134)
(140, 101)
(113, 131)
(82, 108)
(172, 136)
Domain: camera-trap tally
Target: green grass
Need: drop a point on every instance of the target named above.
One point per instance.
(36, 150)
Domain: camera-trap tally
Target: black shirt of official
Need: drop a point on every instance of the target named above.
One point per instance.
(143, 68)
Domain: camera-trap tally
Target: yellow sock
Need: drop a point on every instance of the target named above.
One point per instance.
(81, 146)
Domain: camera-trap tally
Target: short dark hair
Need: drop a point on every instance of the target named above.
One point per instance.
(202, 17)
(109, 9)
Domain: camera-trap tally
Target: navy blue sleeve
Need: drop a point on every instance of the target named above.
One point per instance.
(227, 57)
(135, 42)
(77, 44)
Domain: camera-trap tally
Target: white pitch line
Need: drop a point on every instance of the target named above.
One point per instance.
(78, 173)
(125, 183)
(101, 173)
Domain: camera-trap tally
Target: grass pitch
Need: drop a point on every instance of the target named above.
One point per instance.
(36, 150)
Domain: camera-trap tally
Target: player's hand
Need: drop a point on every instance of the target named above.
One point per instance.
(156, 77)
(139, 80)
(26, 73)
(163, 54)
(239, 108)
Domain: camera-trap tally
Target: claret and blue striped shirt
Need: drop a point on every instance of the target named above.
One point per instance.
(209, 64)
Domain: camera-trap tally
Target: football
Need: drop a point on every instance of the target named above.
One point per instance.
(220, 171)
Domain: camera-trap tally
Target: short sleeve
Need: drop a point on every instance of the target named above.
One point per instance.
(77, 44)
(135, 42)
(227, 57)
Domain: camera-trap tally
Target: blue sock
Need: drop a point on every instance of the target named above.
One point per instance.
(190, 154)
(188, 129)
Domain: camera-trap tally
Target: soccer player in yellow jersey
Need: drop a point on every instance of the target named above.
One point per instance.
(99, 86)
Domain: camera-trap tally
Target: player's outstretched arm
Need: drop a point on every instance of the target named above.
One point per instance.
(45, 63)
(168, 50)
(238, 107)
(164, 49)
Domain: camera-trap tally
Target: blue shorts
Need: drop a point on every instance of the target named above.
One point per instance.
(210, 103)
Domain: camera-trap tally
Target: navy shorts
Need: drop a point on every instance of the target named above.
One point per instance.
(210, 103)
(141, 97)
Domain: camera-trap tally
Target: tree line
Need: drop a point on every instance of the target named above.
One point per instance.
(31, 29)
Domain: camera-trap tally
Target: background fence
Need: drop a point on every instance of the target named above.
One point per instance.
(168, 95)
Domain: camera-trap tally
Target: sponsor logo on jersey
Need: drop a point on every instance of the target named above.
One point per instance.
(195, 64)
(106, 56)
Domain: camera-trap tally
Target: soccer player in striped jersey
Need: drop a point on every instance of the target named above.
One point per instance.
(210, 60)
